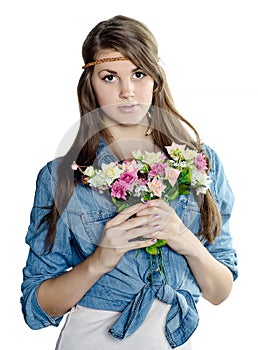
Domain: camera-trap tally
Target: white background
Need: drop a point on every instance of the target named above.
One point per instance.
(209, 49)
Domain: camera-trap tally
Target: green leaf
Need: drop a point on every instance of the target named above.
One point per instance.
(172, 194)
(120, 204)
(154, 249)
(185, 176)
(184, 188)
(114, 200)
(122, 207)
(146, 196)
(160, 243)
(144, 168)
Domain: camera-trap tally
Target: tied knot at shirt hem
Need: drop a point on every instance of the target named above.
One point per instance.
(182, 318)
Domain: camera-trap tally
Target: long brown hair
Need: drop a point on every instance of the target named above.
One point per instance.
(133, 40)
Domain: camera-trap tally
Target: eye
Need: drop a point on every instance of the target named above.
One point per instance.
(139, 75)
(109, 78)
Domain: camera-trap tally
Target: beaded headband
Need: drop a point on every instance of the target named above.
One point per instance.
(111, 59)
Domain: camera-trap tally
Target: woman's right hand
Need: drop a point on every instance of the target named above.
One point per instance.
(58, 295)
(126, 232)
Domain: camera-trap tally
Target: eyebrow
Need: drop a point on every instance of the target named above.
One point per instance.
(114, 72)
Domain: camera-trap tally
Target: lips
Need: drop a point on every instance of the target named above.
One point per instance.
(128, 108)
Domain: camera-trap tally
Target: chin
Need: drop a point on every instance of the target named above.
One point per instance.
(131, 122)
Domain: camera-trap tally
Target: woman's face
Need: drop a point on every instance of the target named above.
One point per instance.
(123, 91)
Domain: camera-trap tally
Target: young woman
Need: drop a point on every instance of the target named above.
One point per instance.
(86, 259)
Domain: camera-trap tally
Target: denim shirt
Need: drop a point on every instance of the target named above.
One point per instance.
(128, 288)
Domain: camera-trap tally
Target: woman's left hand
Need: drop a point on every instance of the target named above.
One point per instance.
(169, 226)
(214, 278)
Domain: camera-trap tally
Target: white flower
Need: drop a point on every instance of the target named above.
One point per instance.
(89, 171)
(152, 157)
(137, 154)
(111, 172)
(139, 190)
(201, 181)
(183, 164)
(98, 181)
(173, 147)
(189, 154)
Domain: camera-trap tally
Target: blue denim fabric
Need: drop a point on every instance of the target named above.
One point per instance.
(128, 288)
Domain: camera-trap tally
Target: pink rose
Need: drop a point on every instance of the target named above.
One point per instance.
(157, 187)
(129, 179)
(131, 166)
(157, 169)
(118, 189)
(200, 162)
(172, 175)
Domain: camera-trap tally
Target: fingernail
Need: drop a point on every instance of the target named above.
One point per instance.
(154, 240)
(156, 216)
(146, 202)
(156, 227)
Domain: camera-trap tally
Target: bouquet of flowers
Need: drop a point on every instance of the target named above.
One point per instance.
(149, 176)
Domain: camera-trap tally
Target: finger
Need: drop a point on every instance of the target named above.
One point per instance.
(117, 236)
(142, 244)
(161, 213)
(158, 203)
(139, 238)
(142, 234)
(160, 208)
(151, 236)
(127, 213)
(138, 222)
(126, 243)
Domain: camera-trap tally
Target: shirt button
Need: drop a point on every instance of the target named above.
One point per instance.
(149, 278)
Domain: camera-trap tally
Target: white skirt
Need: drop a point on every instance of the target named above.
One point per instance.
(87, 329)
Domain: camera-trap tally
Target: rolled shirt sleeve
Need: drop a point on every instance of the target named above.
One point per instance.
(222, 248)
(41, 266)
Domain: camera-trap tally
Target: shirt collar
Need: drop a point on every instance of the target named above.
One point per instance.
(104, 155)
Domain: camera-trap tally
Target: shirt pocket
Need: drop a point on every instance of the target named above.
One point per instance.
(87, 227)
(187, 208)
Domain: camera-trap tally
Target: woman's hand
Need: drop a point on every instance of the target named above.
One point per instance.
(214, 279)
(128, 230)
(170, 226)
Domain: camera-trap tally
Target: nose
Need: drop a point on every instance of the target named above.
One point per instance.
(126, 89)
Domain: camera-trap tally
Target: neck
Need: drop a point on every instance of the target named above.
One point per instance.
(126, 139)
(121, 132)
